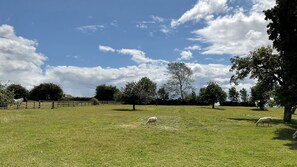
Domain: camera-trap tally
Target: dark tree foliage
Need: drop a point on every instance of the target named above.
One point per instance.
(260, 95)
(19, 91)
(141, 92)
(233, 94)
(46, 91)
(212, 94)
(180, 79)
(6, 96)
(282, 30)
(163, 94)
(106, 93)
(243, 95)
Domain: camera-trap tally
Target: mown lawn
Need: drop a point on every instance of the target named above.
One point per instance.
(113, 135)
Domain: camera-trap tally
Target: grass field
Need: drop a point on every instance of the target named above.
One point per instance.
(113, 135)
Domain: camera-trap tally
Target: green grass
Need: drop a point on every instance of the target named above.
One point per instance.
(113, 135)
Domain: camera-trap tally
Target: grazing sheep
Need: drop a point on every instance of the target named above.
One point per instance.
(152, 120)
(263, 120)
(295, 135)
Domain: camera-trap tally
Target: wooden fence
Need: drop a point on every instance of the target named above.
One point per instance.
(47, 104)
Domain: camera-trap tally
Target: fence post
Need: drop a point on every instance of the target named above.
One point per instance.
(39, 105)
(53, 105)
(26, 104)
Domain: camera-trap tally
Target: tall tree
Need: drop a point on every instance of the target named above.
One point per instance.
(180, 79)
(106, 93)
(141, 92)
(243, 95)
(212, 94)
(46, 91)
(19, 91)
(282, 30)
(233, 94)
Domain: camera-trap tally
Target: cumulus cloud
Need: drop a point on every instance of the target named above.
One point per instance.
(203, 8)
(19, 60)
(186, 55)
(236, 34)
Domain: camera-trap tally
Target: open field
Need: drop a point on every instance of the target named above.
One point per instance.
(113, 135)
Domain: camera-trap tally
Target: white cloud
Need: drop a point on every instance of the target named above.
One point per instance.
(137, 55)
(106, 48)
(158, 19)
(90, 28)
(186, 55)
(236, 34)
(194, 47)
(202, 9)
(19, 60)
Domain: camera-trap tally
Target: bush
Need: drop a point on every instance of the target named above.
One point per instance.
(94, 101)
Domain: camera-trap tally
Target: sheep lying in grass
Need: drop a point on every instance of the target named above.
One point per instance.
(295, 135)
(151, 120)
(263, 120)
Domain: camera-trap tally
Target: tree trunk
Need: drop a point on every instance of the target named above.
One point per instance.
(261, 105)
(287, 113)
(133, 107)
(213, 105)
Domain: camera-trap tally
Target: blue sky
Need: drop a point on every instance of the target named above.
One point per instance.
(81, 44)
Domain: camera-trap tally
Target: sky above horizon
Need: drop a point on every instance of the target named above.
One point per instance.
(81, 44)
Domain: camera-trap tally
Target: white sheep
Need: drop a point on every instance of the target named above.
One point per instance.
(263, 120)
(151, 120)
(295, 135)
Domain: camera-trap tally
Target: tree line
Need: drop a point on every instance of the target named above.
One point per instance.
(273, 67)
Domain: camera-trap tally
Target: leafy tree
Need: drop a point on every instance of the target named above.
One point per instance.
(268, 69)
(141, 92)
(106, 93)
(163, 94)
(260, 93)
(243, 94)
(6, 96)
(282, 30)
(180, 79)
(233, 94)
(46, 91)
(19, 91)
(212, 94)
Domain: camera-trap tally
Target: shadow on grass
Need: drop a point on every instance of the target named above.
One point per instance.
(126, 110)
(257, 109)
(281, 133)
(210, 108)
(286, 134)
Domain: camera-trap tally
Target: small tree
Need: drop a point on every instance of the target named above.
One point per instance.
(212, 94)
(46, 91)
(163, 94)
(180, 79)
(6, 96)
(141, 92)
(106, 93)
(233, 94)
(243, 95)
(19, 91)
(260, 93)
